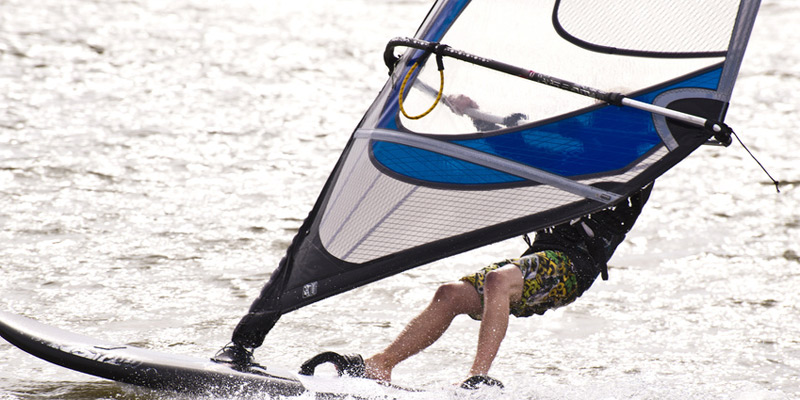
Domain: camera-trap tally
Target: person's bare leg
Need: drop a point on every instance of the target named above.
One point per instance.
(501, 288)
(450, 300)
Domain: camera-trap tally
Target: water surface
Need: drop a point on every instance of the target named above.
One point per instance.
(156, 160)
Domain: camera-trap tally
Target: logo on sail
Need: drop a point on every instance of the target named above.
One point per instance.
(310, 289)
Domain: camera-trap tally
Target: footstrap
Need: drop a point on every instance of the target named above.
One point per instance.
(347, 364)
(479, 381)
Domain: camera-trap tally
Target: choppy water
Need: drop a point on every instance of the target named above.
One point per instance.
(156, 159)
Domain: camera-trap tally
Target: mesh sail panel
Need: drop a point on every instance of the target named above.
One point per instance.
(373, 215)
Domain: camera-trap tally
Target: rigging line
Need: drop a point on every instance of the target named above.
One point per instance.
(614, 98)
(403, 88)
(777, 183)
(434, 48)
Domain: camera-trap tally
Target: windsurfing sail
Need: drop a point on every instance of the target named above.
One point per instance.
(623, 90)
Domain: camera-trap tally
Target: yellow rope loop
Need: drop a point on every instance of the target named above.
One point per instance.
(403, 87)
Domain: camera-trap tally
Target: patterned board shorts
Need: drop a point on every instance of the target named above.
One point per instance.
(550, 282)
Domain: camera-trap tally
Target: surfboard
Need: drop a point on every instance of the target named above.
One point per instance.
(173, 372)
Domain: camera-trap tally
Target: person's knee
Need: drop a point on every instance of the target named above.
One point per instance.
(449, 293)
(497, 280)
(456, 297)
(503, 281)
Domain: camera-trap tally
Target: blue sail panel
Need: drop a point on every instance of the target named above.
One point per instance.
(595, 142)
(429, 167)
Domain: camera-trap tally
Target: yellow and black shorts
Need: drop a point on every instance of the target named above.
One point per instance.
(550, 282)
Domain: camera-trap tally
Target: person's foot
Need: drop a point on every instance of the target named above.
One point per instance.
(237, 356)
(375, 370)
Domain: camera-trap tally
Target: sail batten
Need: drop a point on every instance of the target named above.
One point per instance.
(491, 161)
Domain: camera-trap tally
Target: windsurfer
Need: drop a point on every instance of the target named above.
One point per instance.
(560, 264)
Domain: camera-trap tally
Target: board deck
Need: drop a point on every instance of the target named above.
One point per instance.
(178, 373)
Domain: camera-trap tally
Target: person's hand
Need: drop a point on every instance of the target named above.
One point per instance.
(460, 103)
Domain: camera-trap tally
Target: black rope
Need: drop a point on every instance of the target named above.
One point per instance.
(777, 183)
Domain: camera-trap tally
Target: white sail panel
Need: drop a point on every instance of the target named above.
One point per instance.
(651, 26)
(522, 33)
